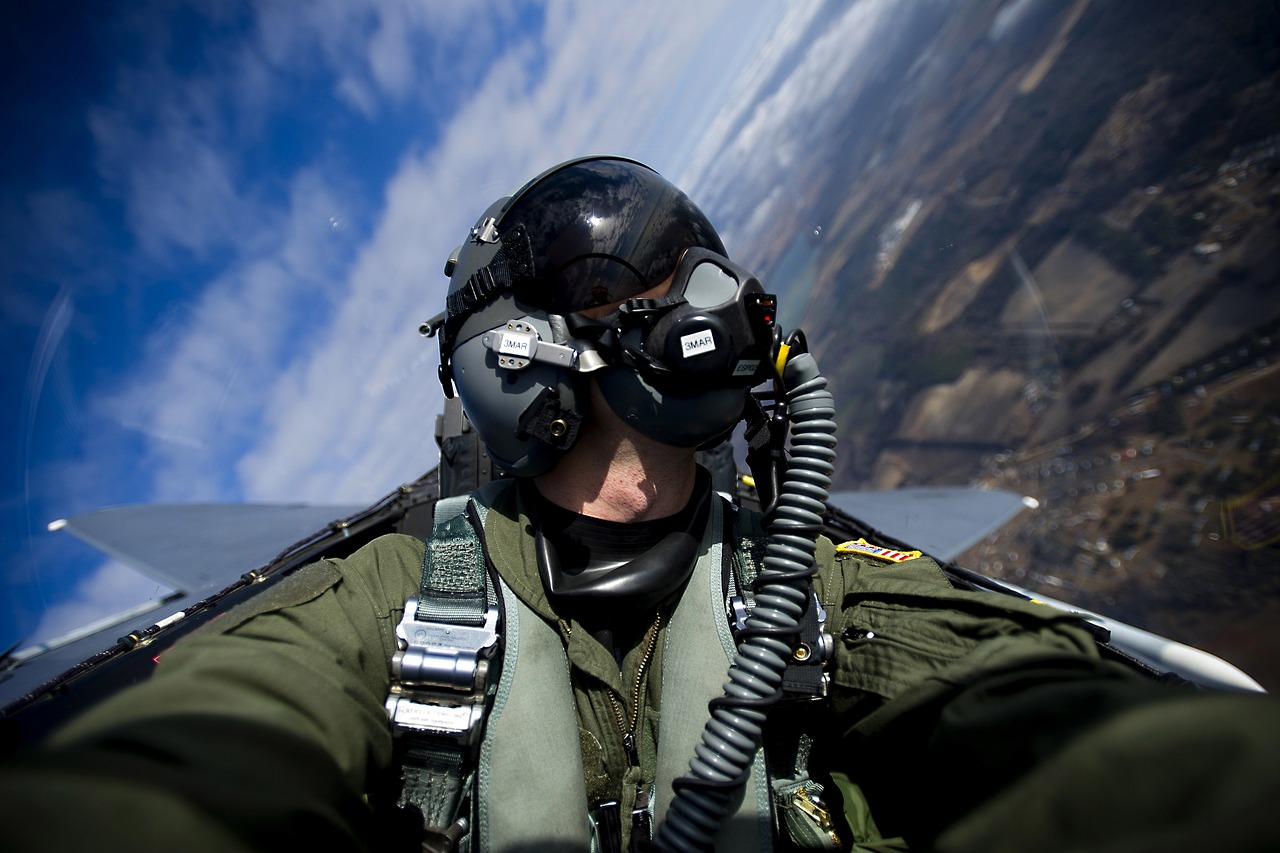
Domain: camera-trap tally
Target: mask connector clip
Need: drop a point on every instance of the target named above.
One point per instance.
(519, 345)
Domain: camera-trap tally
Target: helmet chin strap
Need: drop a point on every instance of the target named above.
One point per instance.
(641, 582)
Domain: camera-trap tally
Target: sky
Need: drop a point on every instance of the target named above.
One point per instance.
(222, 223)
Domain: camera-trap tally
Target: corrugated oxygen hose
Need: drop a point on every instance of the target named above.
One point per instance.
(733, 733)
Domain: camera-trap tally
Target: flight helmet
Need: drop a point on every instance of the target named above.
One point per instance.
(595, 233)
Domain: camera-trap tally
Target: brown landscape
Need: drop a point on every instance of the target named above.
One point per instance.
(1048, 263)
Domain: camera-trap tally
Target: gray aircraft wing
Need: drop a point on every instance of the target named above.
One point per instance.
(194, 549)
(942, 521)
(200, 547)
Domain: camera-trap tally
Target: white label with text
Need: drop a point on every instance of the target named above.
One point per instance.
(515, 344)
(438, 717)
(697, 343)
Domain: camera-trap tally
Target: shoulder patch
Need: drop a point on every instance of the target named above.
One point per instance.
(864, 548)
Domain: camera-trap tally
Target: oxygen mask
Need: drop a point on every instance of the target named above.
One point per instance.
(680, 365)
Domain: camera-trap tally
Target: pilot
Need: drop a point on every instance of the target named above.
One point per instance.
(538, 674)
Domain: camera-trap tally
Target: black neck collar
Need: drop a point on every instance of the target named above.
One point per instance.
(639, 564)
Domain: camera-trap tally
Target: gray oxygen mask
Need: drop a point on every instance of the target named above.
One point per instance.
(680, 366)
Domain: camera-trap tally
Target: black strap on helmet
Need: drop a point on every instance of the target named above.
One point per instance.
(607, 333)
(510, 269)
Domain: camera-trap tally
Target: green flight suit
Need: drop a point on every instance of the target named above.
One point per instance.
(265, 728)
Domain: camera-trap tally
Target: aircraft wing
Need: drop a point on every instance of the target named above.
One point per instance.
(942, 521)
(204, 547)
(194, 549)
(200, 547)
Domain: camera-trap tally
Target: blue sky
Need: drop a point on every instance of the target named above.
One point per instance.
(223, 222)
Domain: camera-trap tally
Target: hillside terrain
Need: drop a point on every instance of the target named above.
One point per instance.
(1048, 263)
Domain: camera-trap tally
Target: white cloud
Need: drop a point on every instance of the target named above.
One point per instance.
(178, 186)
(748, 87)
(111, 588)
(236, 392)
(1011, 16)
(383, 51)
(200, 391)
(369, 396)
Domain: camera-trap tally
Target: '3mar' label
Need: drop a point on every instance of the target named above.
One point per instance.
(697, 343)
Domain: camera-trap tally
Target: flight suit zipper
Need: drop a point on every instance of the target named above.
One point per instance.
(625, 727)
(641, 828)
(606, 814)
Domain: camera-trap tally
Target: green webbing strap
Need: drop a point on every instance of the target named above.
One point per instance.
(454, 581)
(453, 575)
(432, 776)
(447, 508)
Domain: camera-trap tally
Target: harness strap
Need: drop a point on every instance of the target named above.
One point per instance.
(455, 583)
(748, 561)
(447, 508)
(442, 680)
(432, 777)
(699, 648)
(454, 580)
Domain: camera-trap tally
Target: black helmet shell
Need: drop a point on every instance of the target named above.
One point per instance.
(586, 233)
(604, 230)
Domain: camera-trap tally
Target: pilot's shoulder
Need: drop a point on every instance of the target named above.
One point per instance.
(389, 567)
(390, 549)
(382, 573)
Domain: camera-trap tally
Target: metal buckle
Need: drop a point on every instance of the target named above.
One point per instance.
(740, 613)
(440, 675)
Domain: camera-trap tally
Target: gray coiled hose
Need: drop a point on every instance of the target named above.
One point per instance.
(733, 732)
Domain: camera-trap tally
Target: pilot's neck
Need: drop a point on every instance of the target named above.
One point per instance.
(615, 473)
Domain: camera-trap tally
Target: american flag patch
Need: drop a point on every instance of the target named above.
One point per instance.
(865, 548)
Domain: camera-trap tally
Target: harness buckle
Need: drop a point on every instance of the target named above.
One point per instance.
(440, 675)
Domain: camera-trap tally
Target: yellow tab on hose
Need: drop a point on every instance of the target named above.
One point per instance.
(783, 351)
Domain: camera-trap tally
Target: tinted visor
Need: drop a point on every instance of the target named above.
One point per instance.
(602, 231)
